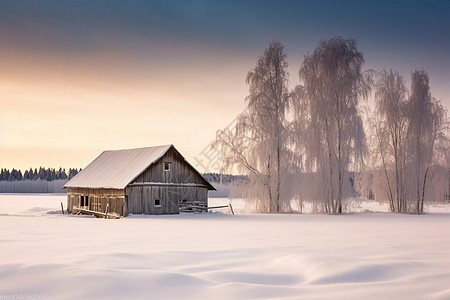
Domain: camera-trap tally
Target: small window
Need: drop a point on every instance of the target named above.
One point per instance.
(157, 202)
(167, 167)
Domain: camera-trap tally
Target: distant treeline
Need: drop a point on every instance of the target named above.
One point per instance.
(51, 174)
(223, 178)
(226, 185)
(38, 174)
(52, 180)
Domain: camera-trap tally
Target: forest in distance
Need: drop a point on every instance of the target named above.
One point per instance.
(42, 180)
(50, 174)
(299, 146)
(47, 174)
(52, 180)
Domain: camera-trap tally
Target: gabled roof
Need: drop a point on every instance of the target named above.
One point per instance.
(115, 169)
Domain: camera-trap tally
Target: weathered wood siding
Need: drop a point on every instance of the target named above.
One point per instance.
(141, 198)
(188, 186)
(180, 171)
(98, 198)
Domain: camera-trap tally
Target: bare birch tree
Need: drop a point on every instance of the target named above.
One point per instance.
(258, 146)
(333, 85)
(427, 130)
(390, 133)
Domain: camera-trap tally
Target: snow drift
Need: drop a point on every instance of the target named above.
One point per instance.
(218, 256)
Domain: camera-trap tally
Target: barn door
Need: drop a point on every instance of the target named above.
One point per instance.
(158, 200)
(84, 202)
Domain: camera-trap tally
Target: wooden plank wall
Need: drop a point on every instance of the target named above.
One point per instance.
(180, 171)
(141, 199)
(98, 198)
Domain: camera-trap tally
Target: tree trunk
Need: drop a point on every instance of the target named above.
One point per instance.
(278, 176)
(425, 178)
(390, 196)
(269, 187)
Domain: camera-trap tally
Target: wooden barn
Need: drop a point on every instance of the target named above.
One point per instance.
(152, 180)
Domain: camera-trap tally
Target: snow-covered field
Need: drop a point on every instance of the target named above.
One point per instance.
(47, 255)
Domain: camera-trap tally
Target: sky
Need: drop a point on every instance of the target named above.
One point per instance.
(80, 77)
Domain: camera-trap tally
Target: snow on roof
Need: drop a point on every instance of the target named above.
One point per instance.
(115, 169)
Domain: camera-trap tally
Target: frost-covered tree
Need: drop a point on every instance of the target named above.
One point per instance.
(411, 143)
(428, 127)
(389, 128)
(333, 85)
(258, 145)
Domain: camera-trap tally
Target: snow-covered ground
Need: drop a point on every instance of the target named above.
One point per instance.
(47, 255)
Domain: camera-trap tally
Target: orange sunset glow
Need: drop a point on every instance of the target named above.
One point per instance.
(78, 78)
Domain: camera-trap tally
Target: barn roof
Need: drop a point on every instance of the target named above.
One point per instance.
(116, 169)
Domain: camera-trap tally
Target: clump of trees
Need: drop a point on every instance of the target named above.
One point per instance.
(305, 145)
(410, 155)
